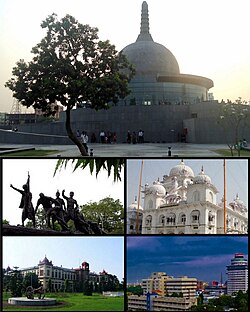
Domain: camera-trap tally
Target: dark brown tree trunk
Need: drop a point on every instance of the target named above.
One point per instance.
(72, 136)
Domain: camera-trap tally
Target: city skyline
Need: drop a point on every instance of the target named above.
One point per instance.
(236, 175)
(201, 36)
(204, 258)
(68, 252)
(87, 187)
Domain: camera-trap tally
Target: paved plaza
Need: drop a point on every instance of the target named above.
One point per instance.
(131, 150)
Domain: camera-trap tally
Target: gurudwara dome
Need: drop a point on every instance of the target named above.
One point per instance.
(158, 79)
(181, 170)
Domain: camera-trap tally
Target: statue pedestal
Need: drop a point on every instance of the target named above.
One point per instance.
(32, 302)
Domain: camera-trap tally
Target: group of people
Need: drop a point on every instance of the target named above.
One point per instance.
(107, 137)
(55, 210)
(134, 138)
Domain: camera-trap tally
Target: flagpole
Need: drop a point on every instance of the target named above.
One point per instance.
(138, 202)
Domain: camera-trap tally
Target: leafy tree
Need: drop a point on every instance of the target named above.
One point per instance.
(108, 213)
(234, 118)
(31, 279)
(16, 283)
(88, 288)
(111, 164)
(5, 222)
(50, 285)
(70, 67)
(135, 290)
(66, 285)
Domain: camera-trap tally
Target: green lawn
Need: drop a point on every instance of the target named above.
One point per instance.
(227, 152)
(35, 153)
(73, 302)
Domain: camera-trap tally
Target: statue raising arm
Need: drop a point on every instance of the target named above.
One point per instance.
(64, 196)
(16, 189)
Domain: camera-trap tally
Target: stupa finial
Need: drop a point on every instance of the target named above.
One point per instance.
(144, 34)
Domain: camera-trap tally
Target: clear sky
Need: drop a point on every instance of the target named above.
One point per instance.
(204, 258)
(208, 38)
(236, 175)
(69, 252)
(87, 187)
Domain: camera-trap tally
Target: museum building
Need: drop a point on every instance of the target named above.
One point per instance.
(46, 272)
(185, 203)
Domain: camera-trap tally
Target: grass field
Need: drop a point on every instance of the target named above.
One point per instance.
(72, 302)
(227, 152)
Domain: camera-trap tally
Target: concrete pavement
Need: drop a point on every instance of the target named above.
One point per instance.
(132, 150)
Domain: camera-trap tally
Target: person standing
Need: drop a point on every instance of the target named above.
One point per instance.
(85, 139)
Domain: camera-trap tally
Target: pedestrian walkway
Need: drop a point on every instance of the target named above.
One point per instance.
(133, 150)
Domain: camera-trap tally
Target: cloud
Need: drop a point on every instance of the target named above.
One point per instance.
(146, 243)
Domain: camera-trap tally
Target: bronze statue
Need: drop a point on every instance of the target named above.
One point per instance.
(51, 212)
(71, 205)
(30, 291)
(26, 202)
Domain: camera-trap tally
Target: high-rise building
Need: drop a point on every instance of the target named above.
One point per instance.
(237, 274)
(166, 285)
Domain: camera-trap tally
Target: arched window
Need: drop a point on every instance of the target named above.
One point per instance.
(150, 204)
(162, 220)
(182, 218)
(210, 197)
(195, 216)
(149, 221)
(196, 196)
(170, 219)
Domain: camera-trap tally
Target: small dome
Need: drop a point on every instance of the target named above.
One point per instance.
(202, 178)
(238, 204)
(158, 189)
(181, 170)
(134, 206)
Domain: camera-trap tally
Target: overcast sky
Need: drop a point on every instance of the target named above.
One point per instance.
(236, 175)
(87, 187)
(204, 258)
(69, 252)
(208, 38)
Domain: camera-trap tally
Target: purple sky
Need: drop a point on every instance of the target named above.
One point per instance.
(202, 257)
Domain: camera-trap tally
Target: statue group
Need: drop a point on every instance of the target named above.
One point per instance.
(55, 210)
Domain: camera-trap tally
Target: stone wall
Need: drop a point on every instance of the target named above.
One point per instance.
(161, 123)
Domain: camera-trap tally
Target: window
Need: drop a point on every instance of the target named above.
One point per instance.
(183, 219)
(196, 196)
(210, 197)
(171, 219)
(162, 220)
(41, 272)
(195, 216)
(149, 221)
(150, 204)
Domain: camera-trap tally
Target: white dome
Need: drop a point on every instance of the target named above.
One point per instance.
(202, 178)
(181, 170)
(134, 206)
(158, 189)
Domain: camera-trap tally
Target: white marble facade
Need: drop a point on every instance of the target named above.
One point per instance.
(183, 203)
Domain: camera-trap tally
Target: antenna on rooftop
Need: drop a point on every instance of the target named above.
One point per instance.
(16, 107)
